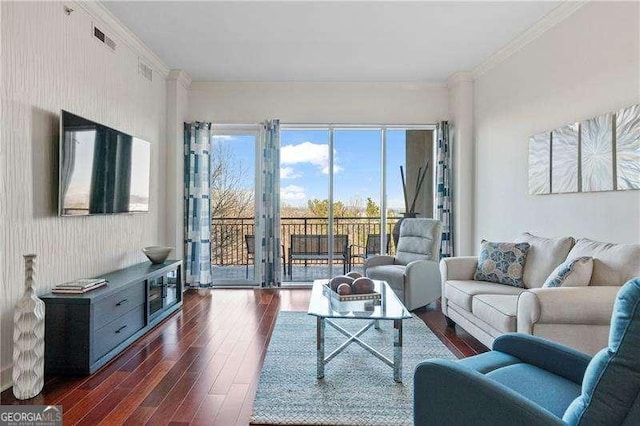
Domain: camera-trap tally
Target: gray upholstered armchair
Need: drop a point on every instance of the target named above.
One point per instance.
(413, 273)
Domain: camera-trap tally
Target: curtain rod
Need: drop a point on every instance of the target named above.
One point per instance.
(359, 126)
(332, 126)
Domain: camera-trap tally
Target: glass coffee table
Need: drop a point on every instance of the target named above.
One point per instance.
(325, 307)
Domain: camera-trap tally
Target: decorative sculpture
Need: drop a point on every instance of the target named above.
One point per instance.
(28, 339)
(599, 154)
(409, 209)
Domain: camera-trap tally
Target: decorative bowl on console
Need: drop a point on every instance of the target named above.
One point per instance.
(157, 254)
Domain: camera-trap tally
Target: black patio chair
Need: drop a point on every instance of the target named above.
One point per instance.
(371, 248)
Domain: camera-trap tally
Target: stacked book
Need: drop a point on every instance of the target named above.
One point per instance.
(80, 286)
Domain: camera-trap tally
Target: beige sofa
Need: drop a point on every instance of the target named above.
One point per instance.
(575, 316)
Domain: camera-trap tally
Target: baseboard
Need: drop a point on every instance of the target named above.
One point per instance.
(5, 378)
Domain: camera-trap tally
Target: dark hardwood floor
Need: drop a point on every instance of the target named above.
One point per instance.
(200, 366)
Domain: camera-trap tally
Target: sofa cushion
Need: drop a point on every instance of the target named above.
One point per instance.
(544, 255)
(392, 274)
(552, 392)
(502, 263)
(572, 273)
(498, 310)
(461, 292)
(613, 264)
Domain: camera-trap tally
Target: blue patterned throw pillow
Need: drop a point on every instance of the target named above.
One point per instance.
(572, 273)
(502, 263)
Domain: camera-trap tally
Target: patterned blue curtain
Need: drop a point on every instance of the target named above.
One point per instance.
(270, 205)
(197, 205)
(444, 209)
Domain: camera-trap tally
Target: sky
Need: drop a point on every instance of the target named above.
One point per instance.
(304, 164)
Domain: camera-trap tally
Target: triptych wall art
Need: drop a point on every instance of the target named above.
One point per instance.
(599, 154)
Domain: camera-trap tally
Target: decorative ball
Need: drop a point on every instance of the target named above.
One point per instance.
(344, 289)
(363, 285)
(354, 275)
(340, 279)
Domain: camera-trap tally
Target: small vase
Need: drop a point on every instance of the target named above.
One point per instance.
(396, 228)
(28, 339)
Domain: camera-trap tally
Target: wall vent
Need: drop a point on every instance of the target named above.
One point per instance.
(105, 39)
(145, 70)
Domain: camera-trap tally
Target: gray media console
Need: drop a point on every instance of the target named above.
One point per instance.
(83, 332)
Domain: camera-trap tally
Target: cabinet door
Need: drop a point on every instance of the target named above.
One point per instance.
(173, 289)
(155, 298)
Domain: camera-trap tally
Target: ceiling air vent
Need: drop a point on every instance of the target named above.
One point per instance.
(145, 70)
(105, 39)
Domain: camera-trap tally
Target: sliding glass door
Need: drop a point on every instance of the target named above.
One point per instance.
(408, 152)
(233, 206)
(304, 202)
(357, 193)
(342, 193)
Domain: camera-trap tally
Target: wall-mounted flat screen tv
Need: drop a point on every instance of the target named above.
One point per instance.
(102, 170)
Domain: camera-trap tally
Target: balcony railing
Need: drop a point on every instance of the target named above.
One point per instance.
(228, 243)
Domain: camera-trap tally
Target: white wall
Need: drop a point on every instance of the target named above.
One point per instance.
(585, 66)
(462, 137)
(357, 103)
(50, 61)
(177, 112)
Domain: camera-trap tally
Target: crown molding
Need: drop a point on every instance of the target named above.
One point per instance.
(100, 13)
(557, 15)
(459, 77)
(181, 77)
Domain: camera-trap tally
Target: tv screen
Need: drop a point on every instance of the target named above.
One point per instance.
(102, 170)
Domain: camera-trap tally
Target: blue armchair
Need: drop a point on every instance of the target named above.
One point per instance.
(527, 380)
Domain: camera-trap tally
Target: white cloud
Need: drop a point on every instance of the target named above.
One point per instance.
(316, 154)
(336, 169)
(292, 192)
(289, 173)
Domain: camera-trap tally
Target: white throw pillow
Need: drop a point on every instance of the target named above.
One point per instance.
(572, 273)
(544, 256)
(614, 264)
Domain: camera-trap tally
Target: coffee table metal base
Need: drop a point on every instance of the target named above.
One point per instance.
(396, 364)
